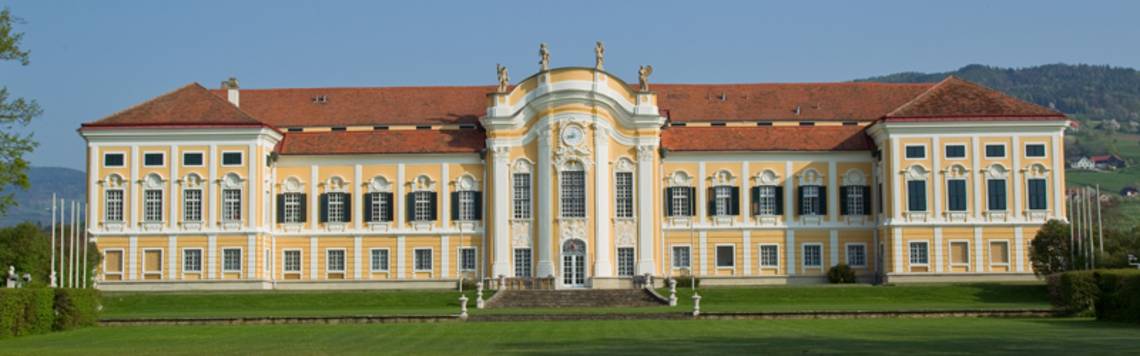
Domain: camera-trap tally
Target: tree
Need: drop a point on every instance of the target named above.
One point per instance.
(14, 113)
(1049, 251)
(28, 248)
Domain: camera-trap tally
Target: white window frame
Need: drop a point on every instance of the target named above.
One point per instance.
(421, 205)
(222, 158)
(847, 254)
(911, 255)
(965, 193)
(466, 201)
(623, 196)
(682, 202)
(416, 259)
(965, 152)
(241, 259)
(201, 259)
(766, 205)
(292, 209)
(160, 153)
(907, 147)
(161, 262)
(950, 254)
(1044, 149)
(153, 211)
(528, 264)
(122, 264)
(986, 150)
(803, 256)
(853, 203)
(1008, 253)
(816, 196)
(474, 257)
(760, 256)
(108, 212)
(387, 260)
(335, 209)
(688, 256)
(343, 261)
(632, 260)
(521, 205)
(121, 154)
(226, 205)
(200, 153)
(570, 206)
(380, 208)
(716, 256)
(187, 209)
(285, 262)
(722, 200)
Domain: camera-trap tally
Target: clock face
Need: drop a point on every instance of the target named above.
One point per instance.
(572, 135)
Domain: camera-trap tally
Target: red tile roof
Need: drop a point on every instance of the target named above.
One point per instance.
(953, 98)
(753, 102)
(189, 106)
(382, 141)
(365, 106)
(766, 138)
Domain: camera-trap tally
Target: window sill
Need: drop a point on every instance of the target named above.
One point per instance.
(1037, 214)
(956, 216)
(231, 225)
(766, 219)
(422, 225)
(681, 220)
(379, 226)
(856, 219)
(467, 225)
(151, 226)
(334, 226)
(191, 225)
(921, 216)
(811, 219)
(997, 216)
(292, 227)
(113, 226)
(723, 220)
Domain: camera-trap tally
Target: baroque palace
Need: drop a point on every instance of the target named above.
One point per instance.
(573, 174)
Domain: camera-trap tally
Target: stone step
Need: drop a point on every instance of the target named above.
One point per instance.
(588, 298)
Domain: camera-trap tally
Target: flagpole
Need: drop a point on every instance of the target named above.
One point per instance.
(62, 237)
(52, 264)
(1088, 226)
(1072, 232)
(1099, 222)
(74, 236)
(84, 264)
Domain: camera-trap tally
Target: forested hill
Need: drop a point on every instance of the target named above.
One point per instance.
(1085, 91)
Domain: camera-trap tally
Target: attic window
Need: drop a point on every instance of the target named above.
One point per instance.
(467, 126)
(807, 123)
(717, 123)
(296, 129)
(338, 128)
(423, 127)
(678, 124)
(763, 123)
(850, 123)
(380, 127)
(320, 99)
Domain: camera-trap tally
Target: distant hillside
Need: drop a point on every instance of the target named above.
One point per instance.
(1084, 91)
(34, 204)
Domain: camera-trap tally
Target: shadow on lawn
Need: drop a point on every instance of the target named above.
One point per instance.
(1010, 293)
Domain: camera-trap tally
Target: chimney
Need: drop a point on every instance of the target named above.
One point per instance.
(231, 87)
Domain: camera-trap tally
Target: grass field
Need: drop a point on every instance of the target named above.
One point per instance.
(775, 298)
(853, 336)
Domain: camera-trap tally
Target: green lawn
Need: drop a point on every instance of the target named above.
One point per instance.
(679, 337)
(724, 299)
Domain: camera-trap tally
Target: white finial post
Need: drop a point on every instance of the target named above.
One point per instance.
(52, 276)
(696, 304)
(462, 307)
(672, 292)
(479, 295)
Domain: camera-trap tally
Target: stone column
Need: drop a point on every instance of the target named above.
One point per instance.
(500, 164)
(545, 207)
(602, 198)
(646, 154)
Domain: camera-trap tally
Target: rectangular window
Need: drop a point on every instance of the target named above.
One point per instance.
(114, 205)
(154, 159)
(152, 205)
(113, 264)
(995, 151)
(113, 160)
(335, 208)
(192, 159)
(916, 195)
(422, 206)
(999, 253)
(766, 200)
(231, 204)
(625, 261)
(769, 256)
(522, 262)
(1038, 196)
(192, 205)
(857, 255)
(813, 255)
(573, 194)
(725, 256)
(680, 257)
(722, 200)
(1035, 150)
(379, 260)
(467, 205)
(334, 260)
(680, 198)
(292, 261)
(231, 158)
(422, 261)
(915, 152)
(856, 202)
(293, 202)
(624, 194)
(918, 255)
(467, 259)
(192, 260)
(996, 196)
(231, 260)
(521, 198)
(956, 194)
(381, 207)
(810, 205)
(152, 262)
(955, 151)
(960, 253)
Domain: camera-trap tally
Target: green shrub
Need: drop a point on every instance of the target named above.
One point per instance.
(1073, 292)
(841, 273)
(1119, 298)
(686, 281)
(75, 308)
(469, 284)
(25, 311)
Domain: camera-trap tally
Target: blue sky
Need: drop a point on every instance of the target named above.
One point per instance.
(93, 58)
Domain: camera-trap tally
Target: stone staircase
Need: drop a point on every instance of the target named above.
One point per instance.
(578, 298)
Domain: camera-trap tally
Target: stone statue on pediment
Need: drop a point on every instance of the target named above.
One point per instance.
(504, 78)
(599, 55)
(544, 57)
(643, 73)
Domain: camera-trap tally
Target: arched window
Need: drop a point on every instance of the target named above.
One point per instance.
(291, 203)
(813, 196)
(679, 196)
(854, 193)
(378, 206)
(113, 199)
(466, 200)
(767, 194)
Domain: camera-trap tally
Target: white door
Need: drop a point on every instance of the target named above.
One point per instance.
(574, 263)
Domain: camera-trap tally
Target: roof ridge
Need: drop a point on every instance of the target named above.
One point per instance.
(916, 99)
(191, 86)
(144, 102)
